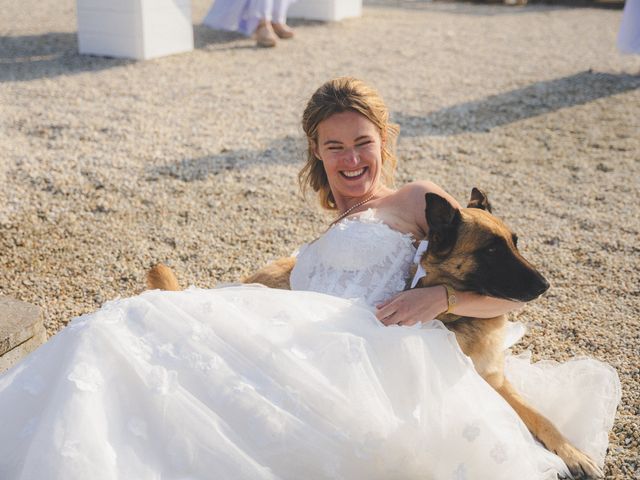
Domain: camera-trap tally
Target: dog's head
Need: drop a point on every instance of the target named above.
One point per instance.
(472, 250)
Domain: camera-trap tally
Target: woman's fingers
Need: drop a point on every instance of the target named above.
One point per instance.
(394, 311)
(386, 313)
(406, 322)
(385, 303)
(408, 308)
(388, 319)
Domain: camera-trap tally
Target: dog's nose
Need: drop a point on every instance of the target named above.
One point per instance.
(543, 286)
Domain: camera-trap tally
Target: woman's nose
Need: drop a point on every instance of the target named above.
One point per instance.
(351, 157)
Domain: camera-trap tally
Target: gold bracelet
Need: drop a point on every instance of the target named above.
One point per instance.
(452, 299)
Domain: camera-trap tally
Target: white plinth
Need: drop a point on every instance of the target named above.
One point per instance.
(325, 10)
(138, 29)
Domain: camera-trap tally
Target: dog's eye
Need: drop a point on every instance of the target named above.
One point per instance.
(494, 247)
(514, 239)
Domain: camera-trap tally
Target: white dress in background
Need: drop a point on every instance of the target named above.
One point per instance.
(246, 382)
(244, 15)
(629, 34)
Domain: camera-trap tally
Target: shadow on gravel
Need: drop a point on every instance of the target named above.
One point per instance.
(205, 37)
(285, 151)
(31, 57)
(493, 8)
(536, 99)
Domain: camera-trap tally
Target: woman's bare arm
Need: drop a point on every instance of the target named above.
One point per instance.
(424, 304)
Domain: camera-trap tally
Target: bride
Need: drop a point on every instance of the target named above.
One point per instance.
(345, 377)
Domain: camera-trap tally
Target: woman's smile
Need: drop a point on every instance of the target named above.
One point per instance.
(354, 174)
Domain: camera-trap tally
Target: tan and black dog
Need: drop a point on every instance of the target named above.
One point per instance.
(469, 250)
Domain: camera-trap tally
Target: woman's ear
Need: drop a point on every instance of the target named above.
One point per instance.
(316, 150)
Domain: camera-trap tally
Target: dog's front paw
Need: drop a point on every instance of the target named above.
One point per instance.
(580, 465)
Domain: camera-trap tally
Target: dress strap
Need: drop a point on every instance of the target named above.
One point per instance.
(420, 273)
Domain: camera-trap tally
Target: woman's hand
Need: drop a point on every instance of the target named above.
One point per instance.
(413, 306)
(425, 304)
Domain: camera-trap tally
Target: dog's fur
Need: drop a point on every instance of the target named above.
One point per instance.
(470, 250)
(274, 275)
(161, 277)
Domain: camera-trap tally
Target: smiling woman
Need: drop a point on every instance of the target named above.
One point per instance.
(351, 162)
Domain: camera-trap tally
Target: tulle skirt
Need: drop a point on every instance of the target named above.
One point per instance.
(247, 382)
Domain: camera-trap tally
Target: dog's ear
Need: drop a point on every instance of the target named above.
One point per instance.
(440, 212)
(479, 200)
(443, 220)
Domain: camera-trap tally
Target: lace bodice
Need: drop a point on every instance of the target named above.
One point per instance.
(356, 258)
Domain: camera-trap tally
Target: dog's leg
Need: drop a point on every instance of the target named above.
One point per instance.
(162, 277)
(274, 275)
(580, 465)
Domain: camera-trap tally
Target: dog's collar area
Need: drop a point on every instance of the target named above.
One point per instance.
(420, 272)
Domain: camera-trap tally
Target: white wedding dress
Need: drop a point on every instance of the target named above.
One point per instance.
(246, 382)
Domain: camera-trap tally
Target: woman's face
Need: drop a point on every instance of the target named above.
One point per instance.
(350, 147)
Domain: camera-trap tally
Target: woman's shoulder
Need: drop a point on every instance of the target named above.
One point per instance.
(409, 205)
(417, 187)
(403, 210)
(414, 193)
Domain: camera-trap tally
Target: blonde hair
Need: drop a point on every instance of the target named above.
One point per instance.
(336, 96)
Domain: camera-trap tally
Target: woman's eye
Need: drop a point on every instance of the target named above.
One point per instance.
(364, 143)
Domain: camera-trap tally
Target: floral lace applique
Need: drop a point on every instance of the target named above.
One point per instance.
(359, 257)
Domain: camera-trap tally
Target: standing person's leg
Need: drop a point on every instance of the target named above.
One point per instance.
(279, 18)
(262, 10)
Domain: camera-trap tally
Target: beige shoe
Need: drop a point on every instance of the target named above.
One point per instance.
(265, 36)
(282, 30)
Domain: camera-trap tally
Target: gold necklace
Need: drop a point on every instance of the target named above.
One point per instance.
(349, 210)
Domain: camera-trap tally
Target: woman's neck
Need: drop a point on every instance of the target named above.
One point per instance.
(347, 205)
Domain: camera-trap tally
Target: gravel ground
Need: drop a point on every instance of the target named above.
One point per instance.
(107, 165)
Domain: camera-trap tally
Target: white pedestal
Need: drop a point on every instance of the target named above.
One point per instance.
(325, 10)
(138, 29)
